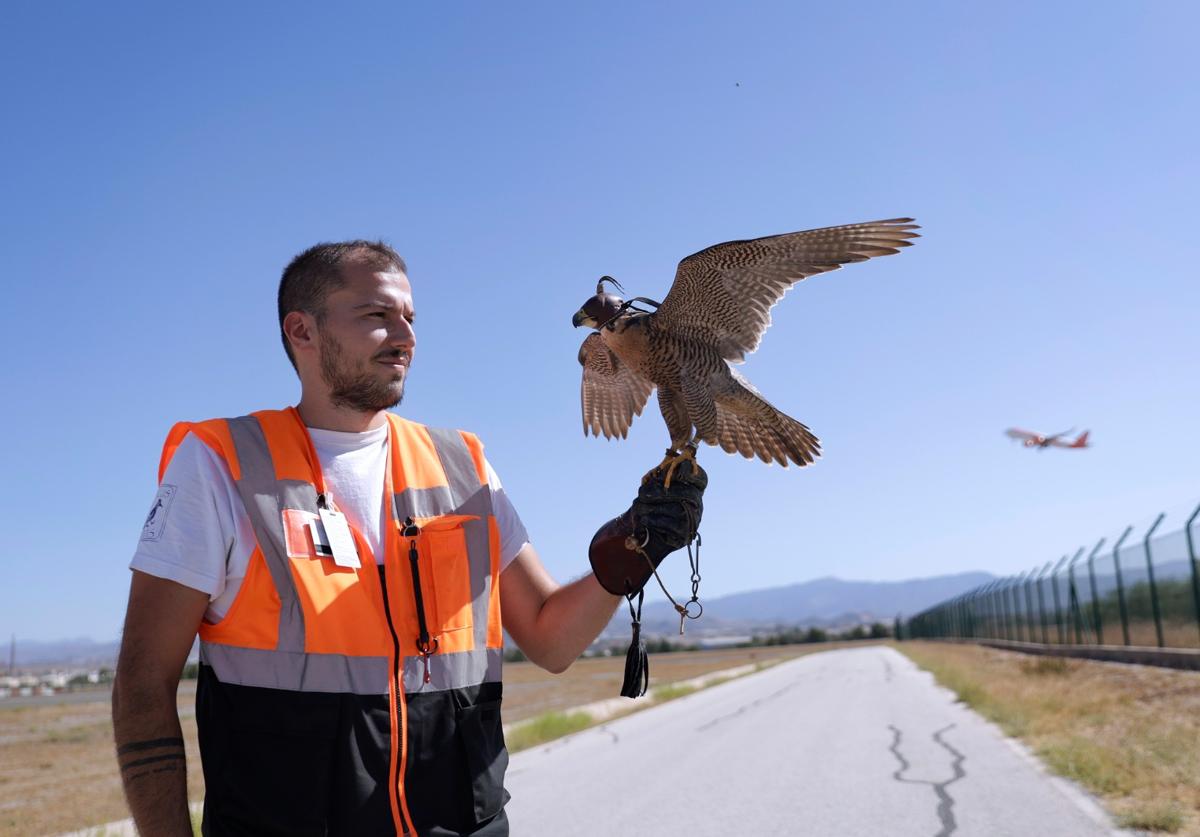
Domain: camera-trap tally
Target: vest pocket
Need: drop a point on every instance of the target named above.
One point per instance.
(482, 739)
(446, 577)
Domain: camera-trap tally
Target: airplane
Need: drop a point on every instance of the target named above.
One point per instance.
(1036, 440)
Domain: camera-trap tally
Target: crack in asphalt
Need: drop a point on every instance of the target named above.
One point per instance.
(945, 808)
(741, 710)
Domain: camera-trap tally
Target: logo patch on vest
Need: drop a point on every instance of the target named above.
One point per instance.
(152, 529)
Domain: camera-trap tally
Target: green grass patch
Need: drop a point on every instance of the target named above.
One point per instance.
(671, 691)
(1166, 817)
(546, 727)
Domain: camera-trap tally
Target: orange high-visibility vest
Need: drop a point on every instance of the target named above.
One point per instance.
(311, 645)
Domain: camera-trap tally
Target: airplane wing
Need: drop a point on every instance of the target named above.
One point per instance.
(1018, 433)
(1053, 438)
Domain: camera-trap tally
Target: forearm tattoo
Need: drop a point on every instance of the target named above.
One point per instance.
(161, 755)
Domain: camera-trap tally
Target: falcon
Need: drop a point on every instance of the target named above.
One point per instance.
(714, 315)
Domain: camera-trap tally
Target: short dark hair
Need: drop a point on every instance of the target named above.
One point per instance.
(314, 274)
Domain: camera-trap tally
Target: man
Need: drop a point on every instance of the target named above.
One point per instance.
(349, 574)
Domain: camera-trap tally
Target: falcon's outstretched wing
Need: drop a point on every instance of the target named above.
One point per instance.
(724, 295)
(612, 393)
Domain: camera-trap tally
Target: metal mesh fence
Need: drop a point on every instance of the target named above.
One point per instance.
(1142, 589)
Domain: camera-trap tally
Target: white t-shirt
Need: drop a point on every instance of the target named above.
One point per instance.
(198, 533)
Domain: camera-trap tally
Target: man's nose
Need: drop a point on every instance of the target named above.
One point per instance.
(403, 335)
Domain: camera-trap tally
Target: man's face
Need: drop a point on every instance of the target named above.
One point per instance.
(367, 339)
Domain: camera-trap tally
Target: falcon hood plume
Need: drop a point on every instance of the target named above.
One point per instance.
(715, 314)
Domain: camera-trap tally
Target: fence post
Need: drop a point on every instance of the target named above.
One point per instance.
(1026, 613)
(1029, 601)
(1073, 598)
(985, 612)
(1058, 622)
(1121, 584)
(1011, 607)
(1042, 603)
(1015, 605)
(986, 621)
(995, 614)
(1095, 598)
(1158, 631)
(997, 609)
(998, 595)
(1192, 560)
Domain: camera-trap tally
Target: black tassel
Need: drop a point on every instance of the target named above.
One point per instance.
(637, 664)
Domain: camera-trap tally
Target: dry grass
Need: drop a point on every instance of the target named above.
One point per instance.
(1142, 633)
(58, 772)
(1130, 734)
(1175, 634)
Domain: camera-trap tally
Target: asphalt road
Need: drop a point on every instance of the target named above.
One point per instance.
(836, 744)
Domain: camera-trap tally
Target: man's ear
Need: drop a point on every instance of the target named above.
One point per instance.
(301, 331)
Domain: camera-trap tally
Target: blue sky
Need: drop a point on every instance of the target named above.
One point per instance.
(161, 165)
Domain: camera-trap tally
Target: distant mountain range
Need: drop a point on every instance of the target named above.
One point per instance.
(823, 602)
(82, 652)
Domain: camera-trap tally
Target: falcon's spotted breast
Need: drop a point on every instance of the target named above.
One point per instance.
(714, 315)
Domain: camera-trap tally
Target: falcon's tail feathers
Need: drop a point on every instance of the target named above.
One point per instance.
(802, 446)
(749, 425)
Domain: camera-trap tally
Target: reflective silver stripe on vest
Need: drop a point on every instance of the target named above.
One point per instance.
(453, 671)
(265, 497)
(472, 498)
(347, 675)
(297, 672)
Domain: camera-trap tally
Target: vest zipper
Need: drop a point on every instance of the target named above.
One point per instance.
(424, 647)
(399, 674)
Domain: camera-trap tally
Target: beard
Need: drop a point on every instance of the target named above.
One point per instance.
(356, 389)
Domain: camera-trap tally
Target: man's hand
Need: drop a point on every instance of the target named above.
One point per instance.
(160, 627)
(625, 551)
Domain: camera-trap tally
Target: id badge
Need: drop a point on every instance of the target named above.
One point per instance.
(337, 535)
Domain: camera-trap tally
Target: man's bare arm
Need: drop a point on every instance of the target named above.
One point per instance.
(160, 627)
(552, 623)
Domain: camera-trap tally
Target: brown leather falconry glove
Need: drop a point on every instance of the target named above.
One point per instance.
(660, 521)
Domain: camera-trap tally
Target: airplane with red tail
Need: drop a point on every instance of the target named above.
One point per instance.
(1036, 440)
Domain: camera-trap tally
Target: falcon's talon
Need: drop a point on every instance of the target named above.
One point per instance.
(671, 456)
(688, 453)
